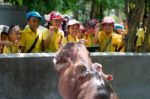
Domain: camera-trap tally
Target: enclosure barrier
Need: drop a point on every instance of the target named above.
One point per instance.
(31, 76)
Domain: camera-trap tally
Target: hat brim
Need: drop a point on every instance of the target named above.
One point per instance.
(57, 18)
(107, 22)
(37, 16)
(73, 24)
(40, 17)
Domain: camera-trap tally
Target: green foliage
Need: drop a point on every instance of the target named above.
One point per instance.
(45, 6)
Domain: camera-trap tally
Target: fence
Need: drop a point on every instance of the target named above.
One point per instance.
(31, 76)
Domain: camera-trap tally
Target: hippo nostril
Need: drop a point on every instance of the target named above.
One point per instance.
(102, 96)
(102, 93)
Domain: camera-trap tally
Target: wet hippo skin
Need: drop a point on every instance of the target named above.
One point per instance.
(78, 76)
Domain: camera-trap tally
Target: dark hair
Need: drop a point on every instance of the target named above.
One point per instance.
(92, 23)
(12, 27)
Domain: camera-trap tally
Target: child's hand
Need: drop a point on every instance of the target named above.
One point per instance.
(16, 42)
(97, 27)
(53, 28)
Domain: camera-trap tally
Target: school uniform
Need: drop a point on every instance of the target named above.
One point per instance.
(89, 40)
(11, 49)
(116, 43)
(55, 41)
(70, 38)
(28, 38)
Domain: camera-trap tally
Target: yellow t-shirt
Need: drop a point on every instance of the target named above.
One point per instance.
(141, 37)
(116, 43)
(56, 39)
(89, 40)
(70, 38)
(148, 46)
(28, 38)
(10, 49)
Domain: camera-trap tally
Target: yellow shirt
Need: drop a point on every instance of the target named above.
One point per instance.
(10, 49)
(141, 37)
(55, 40)
(70, 38)
(148, 46)
(89, 40)
(28, 37)
(116, 44)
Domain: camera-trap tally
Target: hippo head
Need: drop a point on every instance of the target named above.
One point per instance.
(72, 54)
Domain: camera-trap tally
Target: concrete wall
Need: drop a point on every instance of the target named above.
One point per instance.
(12, 15)
(31, 76)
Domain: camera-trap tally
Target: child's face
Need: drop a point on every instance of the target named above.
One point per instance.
(108, 27)
(56, 22)
(33, 23)
(15, 34)
(73, 29)
(91, 30)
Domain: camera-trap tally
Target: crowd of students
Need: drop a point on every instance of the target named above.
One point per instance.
(105, 36)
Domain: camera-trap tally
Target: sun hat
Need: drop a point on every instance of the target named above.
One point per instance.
(118, 26)
(53, 15)
(72, 22)
(34, 14)
(108, 19)
(4, 29)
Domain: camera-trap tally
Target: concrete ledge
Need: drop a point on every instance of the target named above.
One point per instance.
(31, 76)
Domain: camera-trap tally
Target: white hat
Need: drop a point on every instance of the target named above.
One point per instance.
(72, 22)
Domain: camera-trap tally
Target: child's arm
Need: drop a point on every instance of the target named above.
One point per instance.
(97, 28)
(6, 43)
(48, 40)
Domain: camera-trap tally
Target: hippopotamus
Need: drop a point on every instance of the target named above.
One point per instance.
(79, 78)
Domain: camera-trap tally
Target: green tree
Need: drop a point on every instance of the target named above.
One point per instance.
(133, 11)
(99, 6)
(76, 6)
(43, 6)
(146, 47)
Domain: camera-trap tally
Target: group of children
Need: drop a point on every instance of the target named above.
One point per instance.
(9, 39)
(35, 38)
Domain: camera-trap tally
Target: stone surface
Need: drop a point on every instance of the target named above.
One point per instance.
(31, 76)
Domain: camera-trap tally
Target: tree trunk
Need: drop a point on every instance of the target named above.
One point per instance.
(76, 14)
(146, 47)
(133, 17)
(92, 13)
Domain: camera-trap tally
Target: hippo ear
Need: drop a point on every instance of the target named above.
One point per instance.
(61, 66)
(97, 66)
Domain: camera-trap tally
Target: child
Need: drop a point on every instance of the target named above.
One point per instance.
(90, 32)
(52, 39)
(119, 29)
(4, 37)
(73, 29)
(31, 36)
(14, 38)
(107, 39)
(81, 32)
